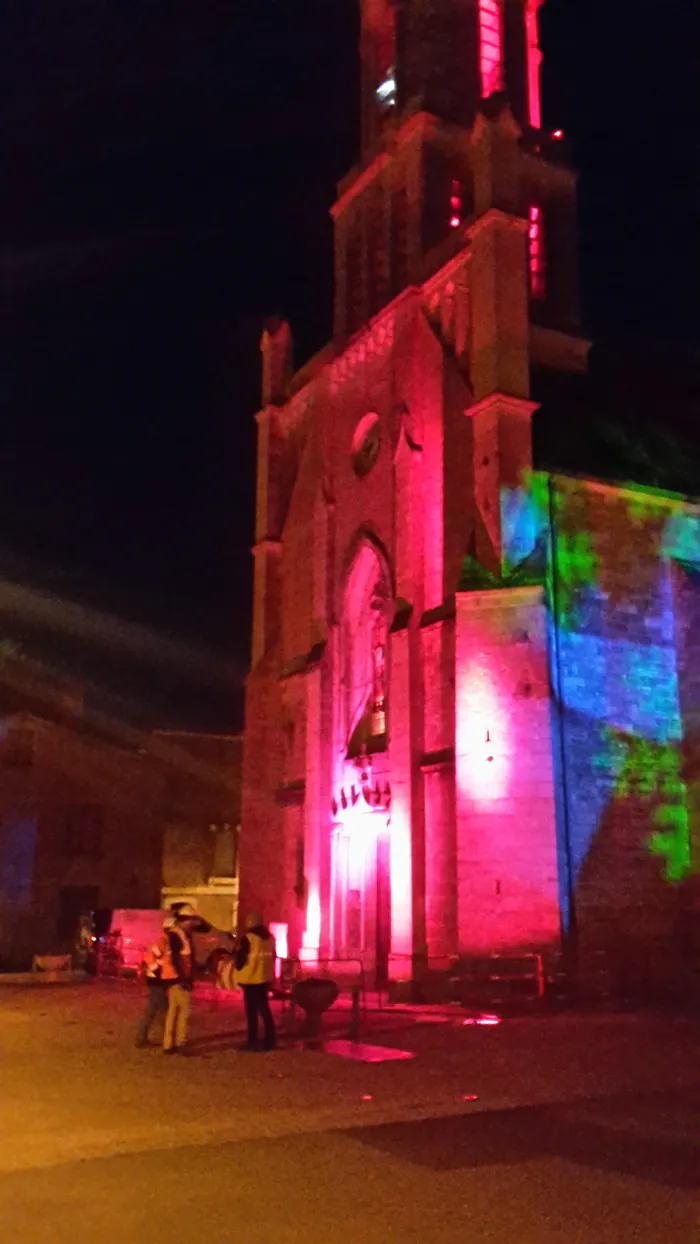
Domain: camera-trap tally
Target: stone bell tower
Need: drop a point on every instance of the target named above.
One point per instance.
(454, 159)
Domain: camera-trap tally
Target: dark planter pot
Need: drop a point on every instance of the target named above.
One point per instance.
(313, 997)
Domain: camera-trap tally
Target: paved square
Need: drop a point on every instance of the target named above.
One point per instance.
(561, 1130)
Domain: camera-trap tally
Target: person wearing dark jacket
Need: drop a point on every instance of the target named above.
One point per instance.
(255, 971)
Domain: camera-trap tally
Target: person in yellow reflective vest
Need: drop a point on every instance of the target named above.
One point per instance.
(255, 971)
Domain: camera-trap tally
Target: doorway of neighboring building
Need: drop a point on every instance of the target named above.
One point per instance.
(74, 902)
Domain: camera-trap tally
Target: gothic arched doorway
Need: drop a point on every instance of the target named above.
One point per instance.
(360, 848)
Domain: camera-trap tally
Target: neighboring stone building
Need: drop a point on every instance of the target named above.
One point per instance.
(472, 696)
(201, 819)
(95, 815)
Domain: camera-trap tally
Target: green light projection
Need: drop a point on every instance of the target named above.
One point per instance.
(634, 740)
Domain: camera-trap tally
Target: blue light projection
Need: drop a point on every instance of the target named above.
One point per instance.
(614, 658)
(17, 843)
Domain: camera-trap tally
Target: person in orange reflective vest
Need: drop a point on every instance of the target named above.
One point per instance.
(157, 972)
(255, 971)
(167, 966)
(177, 970)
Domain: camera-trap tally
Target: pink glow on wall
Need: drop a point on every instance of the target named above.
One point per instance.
(400, 869)
(311, 937)
(280, 931)
(507, 862)
(536, 252)
(482, 736)
(490, 46)
(534, 59)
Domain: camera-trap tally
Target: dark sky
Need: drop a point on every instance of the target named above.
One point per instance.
(167, 171)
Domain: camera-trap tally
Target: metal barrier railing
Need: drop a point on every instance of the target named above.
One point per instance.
(461, 970)
(502, 969)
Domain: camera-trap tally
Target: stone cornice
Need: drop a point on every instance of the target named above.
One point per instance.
(291, 794)
(441, 613)
(305, 662)
(497, 402)
(443, 758)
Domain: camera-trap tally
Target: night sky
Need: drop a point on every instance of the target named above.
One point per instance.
(168, 166)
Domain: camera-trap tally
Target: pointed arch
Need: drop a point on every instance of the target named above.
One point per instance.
(365, 614)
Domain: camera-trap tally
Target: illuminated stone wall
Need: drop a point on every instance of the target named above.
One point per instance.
(622, 590)
(508, 880)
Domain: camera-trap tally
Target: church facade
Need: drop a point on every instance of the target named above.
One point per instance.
(471, 709)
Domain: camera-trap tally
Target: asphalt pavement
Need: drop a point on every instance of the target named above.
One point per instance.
(559, 1130)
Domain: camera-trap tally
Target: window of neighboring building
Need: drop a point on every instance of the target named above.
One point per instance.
(83, 830)
(19, 747)
(74, 902)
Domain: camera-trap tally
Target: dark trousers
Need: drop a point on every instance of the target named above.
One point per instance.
(156, 1004)
(257, 1004)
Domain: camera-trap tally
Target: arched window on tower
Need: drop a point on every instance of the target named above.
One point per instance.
(491, 46)
(376, 254)
(366, 613)
(537, 258)
(399, 240)
(534, 59)
(354, 276)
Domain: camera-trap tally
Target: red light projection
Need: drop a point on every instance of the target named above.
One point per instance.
(490, 46)
(536, 252)
(534, 59)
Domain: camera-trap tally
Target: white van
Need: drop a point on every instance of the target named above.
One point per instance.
(131, 931)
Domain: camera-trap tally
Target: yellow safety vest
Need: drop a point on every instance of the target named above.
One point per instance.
(259, 968)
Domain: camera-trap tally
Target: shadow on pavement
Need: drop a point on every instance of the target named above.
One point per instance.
(616, 1143)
